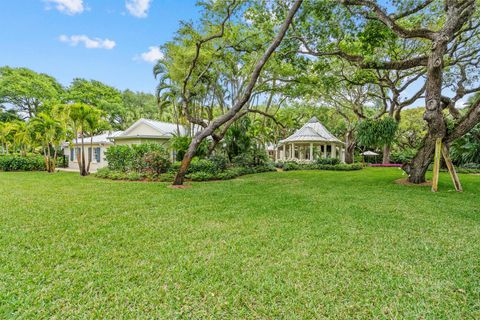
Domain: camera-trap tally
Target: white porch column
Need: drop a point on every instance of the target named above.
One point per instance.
(292, 150)
(334, 151)
(284, 155)
(311, 151)
(342, 155)
(324, 150)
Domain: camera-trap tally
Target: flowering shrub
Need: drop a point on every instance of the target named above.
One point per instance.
(156, 162)
(127, 158)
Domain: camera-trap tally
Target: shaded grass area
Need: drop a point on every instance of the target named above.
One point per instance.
(303, 244)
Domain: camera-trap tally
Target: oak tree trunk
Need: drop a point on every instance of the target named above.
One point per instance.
(240, 103)
(386, 154)
(436, 126)
(350, 144)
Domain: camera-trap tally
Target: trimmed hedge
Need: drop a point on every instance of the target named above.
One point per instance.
(22, 163)
(107, 173)
(290, 166)
(230, 173)
(226, 174)
(332, 161)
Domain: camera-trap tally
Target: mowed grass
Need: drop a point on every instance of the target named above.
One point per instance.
(290, 245)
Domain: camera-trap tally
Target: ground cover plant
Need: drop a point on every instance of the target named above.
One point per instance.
(299, 244)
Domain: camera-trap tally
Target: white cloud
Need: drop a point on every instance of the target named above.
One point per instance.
(152, 55)
(138, 8)
(89, 43)
(70, 7)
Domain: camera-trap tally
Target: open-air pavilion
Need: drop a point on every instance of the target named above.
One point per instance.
(310, 142)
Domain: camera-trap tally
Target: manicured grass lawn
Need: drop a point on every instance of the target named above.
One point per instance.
(276, 245)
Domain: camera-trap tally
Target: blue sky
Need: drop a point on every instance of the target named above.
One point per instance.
(94, 39)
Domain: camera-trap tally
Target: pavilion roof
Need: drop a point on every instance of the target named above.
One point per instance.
(312, 131)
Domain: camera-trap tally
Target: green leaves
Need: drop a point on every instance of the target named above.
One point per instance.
(27, 91)
(376, 132)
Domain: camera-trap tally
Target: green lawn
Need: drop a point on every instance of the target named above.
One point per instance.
(276, 245)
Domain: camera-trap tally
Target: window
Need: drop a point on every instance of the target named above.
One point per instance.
(72, 154)
(97, 154)
(78, 153)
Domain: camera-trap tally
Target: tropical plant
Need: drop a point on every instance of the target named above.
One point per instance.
(49, 133)
(95, 125)
(81, 115)
(376, 132)
(467, 148)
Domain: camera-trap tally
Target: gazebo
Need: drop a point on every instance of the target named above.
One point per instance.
(310, 142)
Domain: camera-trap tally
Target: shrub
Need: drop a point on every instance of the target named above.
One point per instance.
(107, 173)
(471, 166)
(22, 163)
(202, 165)
(403, 156)
(156, 162)
(202, 176)
(219, 161)
(119, 157)
(265, 168)
(229, 174)
(279, 165)
(127, 158)
(288, 166)
(327, 161)
(103, 172)
(174, 167)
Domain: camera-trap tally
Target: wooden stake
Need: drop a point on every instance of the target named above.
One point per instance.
(451, 169)
(436, 164)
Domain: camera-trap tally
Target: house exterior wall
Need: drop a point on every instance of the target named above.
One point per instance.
(94, 165)
(143, 130)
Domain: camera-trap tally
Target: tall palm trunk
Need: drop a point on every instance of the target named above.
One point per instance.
(83, 170)
(54, 159)
(90, 155)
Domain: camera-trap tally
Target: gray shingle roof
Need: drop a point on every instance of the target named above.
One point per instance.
(164, 129)
(103, 138)
(312, 131)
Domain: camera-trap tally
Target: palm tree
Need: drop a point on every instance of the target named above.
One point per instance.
(49, 133)
(21, 138)
(78, 114)
(94, 125)
(5, 128)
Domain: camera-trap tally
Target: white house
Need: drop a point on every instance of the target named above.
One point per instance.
(94, 147)
(310, 142)
(142, 131)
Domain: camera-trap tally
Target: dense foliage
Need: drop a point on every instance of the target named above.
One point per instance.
(467, 149)
(22, 163)
(146, 157)
(376, 132)
(290, 165)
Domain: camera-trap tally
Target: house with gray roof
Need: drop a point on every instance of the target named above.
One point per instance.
(142, 131)
(310, 142)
